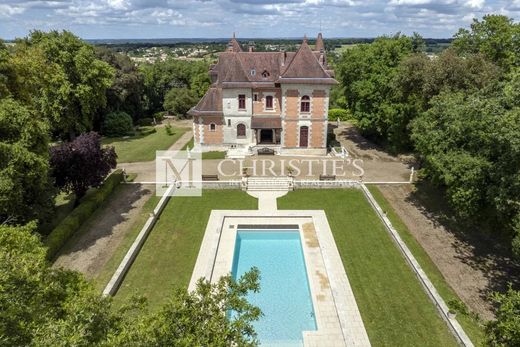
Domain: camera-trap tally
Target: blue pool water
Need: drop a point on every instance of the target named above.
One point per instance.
(284, 296)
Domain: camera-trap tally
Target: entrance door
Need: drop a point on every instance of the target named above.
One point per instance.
(266, 136)
(304, 136)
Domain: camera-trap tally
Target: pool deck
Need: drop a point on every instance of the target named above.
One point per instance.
(337, 316)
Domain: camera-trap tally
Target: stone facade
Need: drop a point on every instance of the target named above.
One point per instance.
(276, 99)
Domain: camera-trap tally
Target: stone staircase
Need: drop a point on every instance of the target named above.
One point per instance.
(264, 184)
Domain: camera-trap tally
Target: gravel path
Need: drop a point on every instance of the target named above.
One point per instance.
(93, 245)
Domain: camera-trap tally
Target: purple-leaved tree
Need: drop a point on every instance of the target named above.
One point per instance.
(81, 164)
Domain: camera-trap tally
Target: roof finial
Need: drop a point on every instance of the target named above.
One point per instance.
(305, 38)
(233, 34)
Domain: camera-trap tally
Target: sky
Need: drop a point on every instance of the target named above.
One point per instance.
(121, 19)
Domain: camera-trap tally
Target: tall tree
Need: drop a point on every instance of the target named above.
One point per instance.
(178, 101)
(367, 74)
(44, 306)
(25, 188)
(495, 36)
(125, 93)
(71, 82)
(82, 163)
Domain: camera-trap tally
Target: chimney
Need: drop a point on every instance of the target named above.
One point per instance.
(284, 56)
(251, 46)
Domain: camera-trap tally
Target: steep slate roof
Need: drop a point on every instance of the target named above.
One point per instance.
(319, 43)
(238, 69)
(305, 67)
(233, 45)
(210, 104)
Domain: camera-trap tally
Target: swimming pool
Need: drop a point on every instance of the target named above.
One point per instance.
(284, 296)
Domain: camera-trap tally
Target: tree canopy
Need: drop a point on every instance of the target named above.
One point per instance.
(25, 187)
(44, 306)
(82, 163)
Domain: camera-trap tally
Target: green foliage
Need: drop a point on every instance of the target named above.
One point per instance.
(62, 79)
(125, 93)
(64, 231)
(117, 124)
(25, 188)
(338, 113)
(505, 330)
(495, 36)
(175, 323)
(43, 306)
(453, 136)
(161, 77)
(145, 122)
(178, 101)
(169, 129)
(367, 73)
(6, 72)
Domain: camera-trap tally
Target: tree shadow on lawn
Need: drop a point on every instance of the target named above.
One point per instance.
(104, 222)
(477, 244)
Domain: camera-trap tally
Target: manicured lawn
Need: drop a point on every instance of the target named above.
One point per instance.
(167, 258)
(395, 309)
(207, 155)
(469, 323)
(142, 147)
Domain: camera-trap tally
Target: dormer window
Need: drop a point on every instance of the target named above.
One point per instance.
(269, 102)
(241, 102)
(265, 74)
(305, 105)
(253, 72)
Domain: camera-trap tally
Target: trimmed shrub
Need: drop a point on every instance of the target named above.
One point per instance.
(159, 116)
(340, 113)
(145, 122)
(88, 205)
(117, 124)
(169, 129)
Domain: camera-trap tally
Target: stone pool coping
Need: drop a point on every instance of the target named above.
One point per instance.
(338, 318)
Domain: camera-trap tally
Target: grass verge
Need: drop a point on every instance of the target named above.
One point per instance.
(142, 147)
(106, 272)
(167, 258)
(395, 309)
(207, 155)
(471, 324)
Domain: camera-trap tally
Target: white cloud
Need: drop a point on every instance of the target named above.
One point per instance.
(475, 3)
(8, 10)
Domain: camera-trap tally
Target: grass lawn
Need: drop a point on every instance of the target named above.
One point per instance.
(395, 309)
(167, 258)
(142, 147)
(207, 155)
(469, 323)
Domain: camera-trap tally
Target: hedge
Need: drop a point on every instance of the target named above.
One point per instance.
(88, 205)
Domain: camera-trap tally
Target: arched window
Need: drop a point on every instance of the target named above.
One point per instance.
(269, 102)
(241, 130)
(305, 105)
(212, 127)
